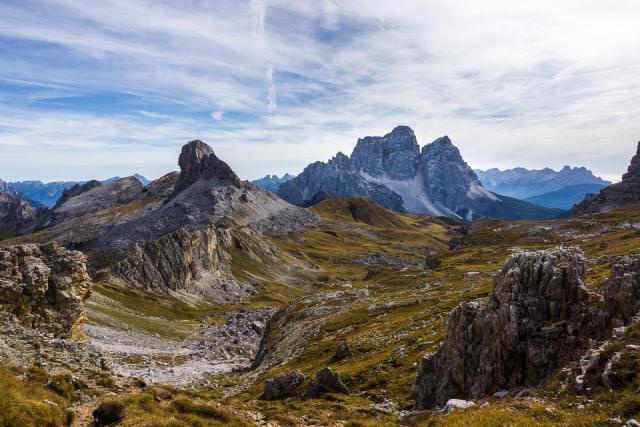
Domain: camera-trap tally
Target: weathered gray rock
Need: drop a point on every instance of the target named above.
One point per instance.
(198, 162)
(622, 290)
(327, 381)
(283, 385)
(532, 323)
(392, 171)
(44, 286)
(453, 404)
(183, 261)
(621, 194)
(343, 351)
(431, 260)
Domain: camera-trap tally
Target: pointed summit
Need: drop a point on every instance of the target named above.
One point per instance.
(198, 161)
(633, 172)
(394, 155)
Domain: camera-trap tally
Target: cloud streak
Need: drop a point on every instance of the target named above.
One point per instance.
(537, 84)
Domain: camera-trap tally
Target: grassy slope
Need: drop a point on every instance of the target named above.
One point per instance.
(406, 309)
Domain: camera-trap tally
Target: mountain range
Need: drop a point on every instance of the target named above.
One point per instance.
(395, 172)
(48, 193)
(272, 182)
(546, 187)
(200, 297)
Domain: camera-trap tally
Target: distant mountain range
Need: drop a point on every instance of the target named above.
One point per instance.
(48, 193)
(393, 171)
(546, 187)
(272, 182)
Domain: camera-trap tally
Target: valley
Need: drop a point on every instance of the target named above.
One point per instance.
(214, 302)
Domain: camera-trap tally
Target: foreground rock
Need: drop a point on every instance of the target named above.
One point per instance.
(44, 286)
(283, 386)
(532, 324)
(621, 194)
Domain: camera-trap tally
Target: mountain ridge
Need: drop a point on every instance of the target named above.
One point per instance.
(395, 172)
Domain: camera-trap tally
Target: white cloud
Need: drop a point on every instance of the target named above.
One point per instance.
(217, 115)
(535, 84)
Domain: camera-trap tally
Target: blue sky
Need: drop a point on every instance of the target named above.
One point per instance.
(96, 89)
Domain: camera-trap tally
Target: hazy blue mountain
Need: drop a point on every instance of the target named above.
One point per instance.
(48, 193)
(523, 183)
(272, 182)
(566, 197)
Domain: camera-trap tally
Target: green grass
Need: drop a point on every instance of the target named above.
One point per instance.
(26, 403)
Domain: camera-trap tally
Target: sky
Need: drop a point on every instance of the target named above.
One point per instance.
(97, 89)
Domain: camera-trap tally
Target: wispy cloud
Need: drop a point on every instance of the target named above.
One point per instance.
(536, 84)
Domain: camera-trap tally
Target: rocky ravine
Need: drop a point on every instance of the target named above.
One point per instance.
(537, 319)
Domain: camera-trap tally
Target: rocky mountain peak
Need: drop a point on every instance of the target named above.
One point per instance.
(633, 172)
(621, 194)
(4, 187)
(393, 155)
(198, 161)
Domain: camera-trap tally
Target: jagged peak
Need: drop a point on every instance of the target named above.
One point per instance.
(198, 161)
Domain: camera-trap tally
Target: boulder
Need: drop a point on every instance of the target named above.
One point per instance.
(327, 381)
(283, 385)
(342, 352)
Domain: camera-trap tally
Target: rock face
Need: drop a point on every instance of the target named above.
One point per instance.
(622, 291)
(283, 385)
(621, 194)
(182, 261)
(394, 172)
(44, 286)
(198, 162)
(15, 213)
(536, 319)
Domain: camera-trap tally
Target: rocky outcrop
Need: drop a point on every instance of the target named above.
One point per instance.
(44, 286)
(198, 162)
(621, 194)
(622, 291)
(327, 381)
(392, 171)
(283, 385)
(536, 319)
(182, 261)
